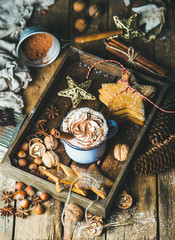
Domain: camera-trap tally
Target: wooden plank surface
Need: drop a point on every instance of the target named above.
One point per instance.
(6, 223)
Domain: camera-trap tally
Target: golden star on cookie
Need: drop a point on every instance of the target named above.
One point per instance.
(126, 104)
(77, 92)
(92, 179)
(129, 27)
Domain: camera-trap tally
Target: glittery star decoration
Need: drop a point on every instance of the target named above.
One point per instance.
(77, 92)
(129, 27)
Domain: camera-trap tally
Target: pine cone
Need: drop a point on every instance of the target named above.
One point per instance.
(157, 159)
(163, 126)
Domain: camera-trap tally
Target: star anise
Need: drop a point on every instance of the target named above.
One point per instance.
(7, 197)
(35, 200)
(41, 131)
(40, 123)
(6, 211)
(22, 213)
(52, 112)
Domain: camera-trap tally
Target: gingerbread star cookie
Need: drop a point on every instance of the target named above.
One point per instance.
(123, 102)
(77, 92)
(56, 175)
(92, 179)
(70, 178)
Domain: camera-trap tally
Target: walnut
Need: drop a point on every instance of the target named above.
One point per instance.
(95, 11)
(50, 159)
(80, 24)
(50, 142)
(74, 212)
(121, 151)
(36, 148)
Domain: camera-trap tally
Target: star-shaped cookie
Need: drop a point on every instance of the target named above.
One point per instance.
(126, 103)
(56, 175)
(70, 177)
(77, 92)
(129, 26)
(92, 179)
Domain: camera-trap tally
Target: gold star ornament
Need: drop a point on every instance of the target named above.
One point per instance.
(77, 92)
(129, 27)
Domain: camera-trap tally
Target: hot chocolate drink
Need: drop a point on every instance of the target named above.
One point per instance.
(89, 127)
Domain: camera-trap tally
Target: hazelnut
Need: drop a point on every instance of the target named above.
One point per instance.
(30, 191)
(19, 195)
(80, 24)
(14, 162)
(121, 151)
(38, 161)
(50, 142)
(20, 186)
(24, 203)
(22, 162)
(50, 159)
(79, 6)
(33, 166)
(44, 196)
(74, 212)
(21, 154)
(35, 172)
(39, 209)
(25, 146)
(95, 11)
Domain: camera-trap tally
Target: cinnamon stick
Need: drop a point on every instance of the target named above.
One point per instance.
(62, 135)
(139, 58)
(97, 36)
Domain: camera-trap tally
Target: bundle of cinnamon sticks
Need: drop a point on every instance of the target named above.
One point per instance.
(128, 54)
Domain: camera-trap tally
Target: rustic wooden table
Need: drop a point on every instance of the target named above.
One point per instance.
(152, 214)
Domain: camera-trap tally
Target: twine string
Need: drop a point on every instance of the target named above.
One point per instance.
(132, 56)
(128, 86)
(68, 198)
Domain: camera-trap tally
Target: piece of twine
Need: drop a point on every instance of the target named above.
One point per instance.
(128, 86)
(88, 224)
(68, 198)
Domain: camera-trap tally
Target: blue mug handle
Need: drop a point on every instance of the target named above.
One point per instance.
(113, 128)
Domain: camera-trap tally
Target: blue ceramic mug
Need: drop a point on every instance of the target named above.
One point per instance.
(86, 156)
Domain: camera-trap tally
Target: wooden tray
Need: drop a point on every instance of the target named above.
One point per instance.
(76, 64)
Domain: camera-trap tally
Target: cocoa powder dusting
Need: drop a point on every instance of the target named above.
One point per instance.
(37, 46)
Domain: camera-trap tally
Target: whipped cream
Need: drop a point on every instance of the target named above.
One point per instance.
(89, 127)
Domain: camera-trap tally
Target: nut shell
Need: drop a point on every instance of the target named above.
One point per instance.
(50, 142)
(37, 149)
(50, 159)
(79, 6)
(74, 212)
(95, 11)
(121, 151)
(80, 24)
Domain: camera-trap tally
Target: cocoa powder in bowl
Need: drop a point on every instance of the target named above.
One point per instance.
(36, 46)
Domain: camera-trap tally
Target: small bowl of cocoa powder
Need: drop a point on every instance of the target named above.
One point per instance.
(37, 47)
